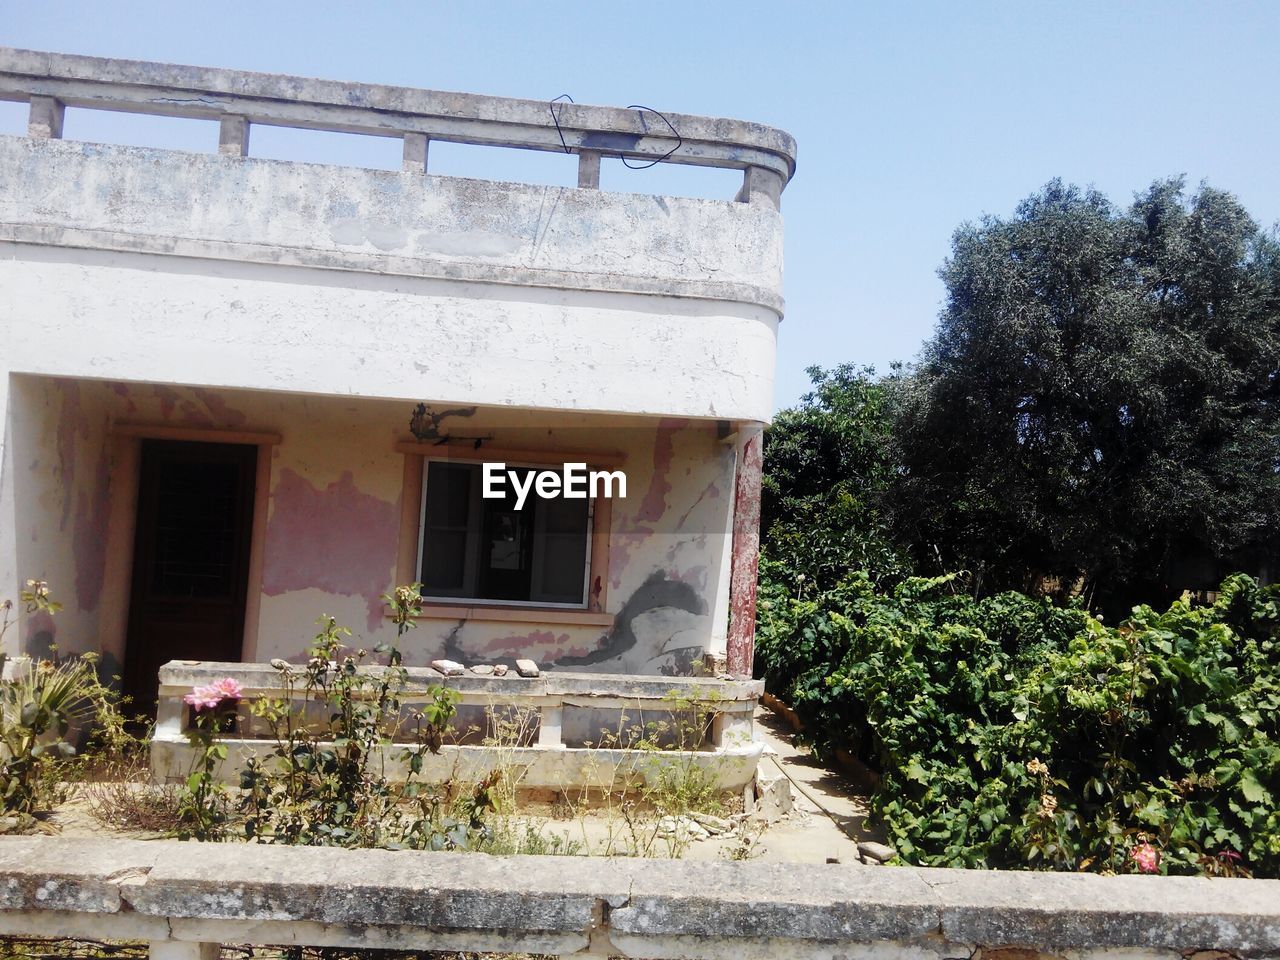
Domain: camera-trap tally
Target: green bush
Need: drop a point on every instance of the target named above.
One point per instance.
(1012, 733)
(326, 780)
(45, 707)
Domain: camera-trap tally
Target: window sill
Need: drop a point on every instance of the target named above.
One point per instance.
(504, 614)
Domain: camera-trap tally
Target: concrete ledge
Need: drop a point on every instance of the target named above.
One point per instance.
(233, 893)
(241, 95)
(140, 200)
(262, 679)
(537, 767)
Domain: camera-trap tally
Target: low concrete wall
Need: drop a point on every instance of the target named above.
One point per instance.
(182, 896)
(729, 757)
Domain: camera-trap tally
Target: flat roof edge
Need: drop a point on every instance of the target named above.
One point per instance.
(584, 126)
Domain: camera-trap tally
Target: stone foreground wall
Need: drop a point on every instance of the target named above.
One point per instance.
(184, 897)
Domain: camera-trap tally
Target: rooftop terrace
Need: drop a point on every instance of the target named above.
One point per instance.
(239, 100)
(550, 296)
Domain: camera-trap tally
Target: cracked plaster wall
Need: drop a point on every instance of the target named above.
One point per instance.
(321, 301)
(333, 522)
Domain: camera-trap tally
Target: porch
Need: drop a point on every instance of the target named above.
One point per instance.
(200, 523)
(563, 732)
(206, 418)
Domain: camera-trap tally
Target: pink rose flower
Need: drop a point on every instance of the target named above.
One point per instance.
(227, 688)
(208, 698)
(1145, 857)
(200, 697)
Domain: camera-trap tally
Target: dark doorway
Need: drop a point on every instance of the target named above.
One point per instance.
(190, 559)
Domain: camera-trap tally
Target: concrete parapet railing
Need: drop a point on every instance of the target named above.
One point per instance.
(239, 99)
(187, 899)
(729, 756)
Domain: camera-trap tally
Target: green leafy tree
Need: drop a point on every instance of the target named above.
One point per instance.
(826, 472)
(1100, 406)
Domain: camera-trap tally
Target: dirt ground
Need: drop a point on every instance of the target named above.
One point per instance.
(828, 819)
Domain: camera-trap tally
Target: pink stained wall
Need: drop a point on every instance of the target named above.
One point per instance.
(62, 485)
(333, 517)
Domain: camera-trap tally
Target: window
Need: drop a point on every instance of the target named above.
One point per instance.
(475, 548)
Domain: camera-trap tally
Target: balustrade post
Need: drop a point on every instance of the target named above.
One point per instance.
(416, 146)
(761, 186)
(233, 137)
(46, 117)
(589, 169)
(731, 728)
(170, 715)
(551, 725)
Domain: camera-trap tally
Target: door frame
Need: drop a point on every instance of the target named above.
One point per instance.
(126, 444)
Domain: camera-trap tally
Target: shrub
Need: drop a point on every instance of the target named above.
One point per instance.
(43, 708)
(121, 797)
(326, 784)
(1012, 733)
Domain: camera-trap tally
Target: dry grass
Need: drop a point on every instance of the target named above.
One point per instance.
(120, 796)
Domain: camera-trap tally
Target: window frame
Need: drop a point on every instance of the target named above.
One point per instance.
(417, 456)
(477, 536)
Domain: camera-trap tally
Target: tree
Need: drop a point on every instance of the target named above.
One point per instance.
(826, 472)
(1100, 404)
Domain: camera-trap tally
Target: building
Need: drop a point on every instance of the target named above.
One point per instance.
(238, 393)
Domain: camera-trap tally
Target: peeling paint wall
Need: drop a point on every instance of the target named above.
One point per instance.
(166, 267)
(334, 538)
(321, 303)
(669, 541)
(333, 521)
(61, 487)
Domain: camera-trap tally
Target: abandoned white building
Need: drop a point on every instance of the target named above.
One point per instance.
(212, 361)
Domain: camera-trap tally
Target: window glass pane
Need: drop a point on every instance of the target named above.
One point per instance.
(449, 494)
(507, 547)
(562, 553)
(448, 511)
(443, 565)
(477, 548)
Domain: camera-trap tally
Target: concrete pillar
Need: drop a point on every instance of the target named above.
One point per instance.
(46, 118)
(732, 729)
(179, 950)
(415, 152)
(551, 725)
(233, 137)
(171, 715)
(761, 186)
(589, 169)
(746, 551)
(9, 584)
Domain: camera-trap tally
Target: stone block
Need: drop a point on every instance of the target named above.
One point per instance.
(773, 799)
(177, 894)
(83, 876)
(879, 852)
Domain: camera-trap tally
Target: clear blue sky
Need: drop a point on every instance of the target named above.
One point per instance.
(911, 118)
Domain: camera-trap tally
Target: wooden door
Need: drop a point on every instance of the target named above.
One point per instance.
(190, 559)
